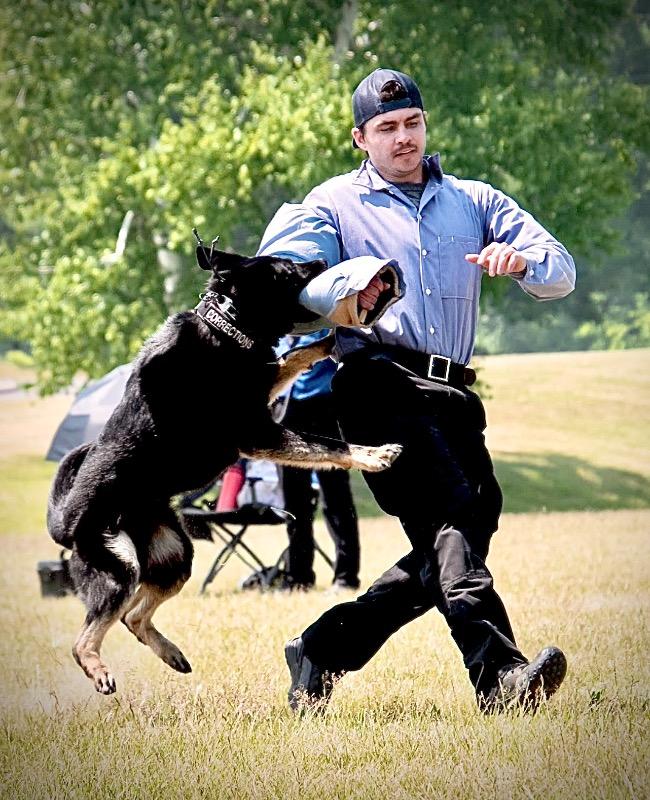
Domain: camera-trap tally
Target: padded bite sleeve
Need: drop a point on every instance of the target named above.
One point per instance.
(334, 293)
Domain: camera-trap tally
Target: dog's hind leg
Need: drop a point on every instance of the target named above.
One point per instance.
(138, 620)
(105, 581)
(86, 651)
(168, 568)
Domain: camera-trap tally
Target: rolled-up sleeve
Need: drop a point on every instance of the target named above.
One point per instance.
(300, 232)
(550, 272)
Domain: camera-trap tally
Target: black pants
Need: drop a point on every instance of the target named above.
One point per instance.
(444, 492)
(316, 415)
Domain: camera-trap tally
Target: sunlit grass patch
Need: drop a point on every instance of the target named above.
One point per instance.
(405, 726)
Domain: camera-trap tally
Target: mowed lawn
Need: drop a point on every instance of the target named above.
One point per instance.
(570, 434)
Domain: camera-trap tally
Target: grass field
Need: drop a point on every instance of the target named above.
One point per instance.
(570, 433)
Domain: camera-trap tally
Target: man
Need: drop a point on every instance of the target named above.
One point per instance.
(310, 409)
(406, 380)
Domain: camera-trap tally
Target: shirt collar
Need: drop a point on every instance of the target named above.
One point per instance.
(368, 176)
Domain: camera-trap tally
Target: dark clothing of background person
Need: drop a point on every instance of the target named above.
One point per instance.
(311, 409)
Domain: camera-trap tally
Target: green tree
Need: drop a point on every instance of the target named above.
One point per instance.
(213, 113)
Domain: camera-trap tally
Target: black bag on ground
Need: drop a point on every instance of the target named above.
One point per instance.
(55, 577)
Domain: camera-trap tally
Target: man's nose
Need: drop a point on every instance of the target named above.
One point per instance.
(403, 134)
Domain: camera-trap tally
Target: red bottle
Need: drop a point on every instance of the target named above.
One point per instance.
(233, 480)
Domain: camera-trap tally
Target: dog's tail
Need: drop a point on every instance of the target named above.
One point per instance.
(63, 482)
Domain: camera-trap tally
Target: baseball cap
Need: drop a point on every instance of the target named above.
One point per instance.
(367, 98)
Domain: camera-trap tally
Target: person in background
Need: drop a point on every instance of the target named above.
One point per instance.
(310, 409)
(407, 379)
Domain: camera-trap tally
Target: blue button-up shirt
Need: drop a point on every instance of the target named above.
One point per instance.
(361, 214)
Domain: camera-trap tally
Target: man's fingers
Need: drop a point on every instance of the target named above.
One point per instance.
(366, 301)
(368, 297)
(516, 262)
(498, 258)
(501, 261)
(379, 284)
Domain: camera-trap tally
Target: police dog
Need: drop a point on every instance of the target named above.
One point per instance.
(197, 400)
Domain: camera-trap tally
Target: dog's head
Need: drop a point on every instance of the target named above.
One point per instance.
(264, 290)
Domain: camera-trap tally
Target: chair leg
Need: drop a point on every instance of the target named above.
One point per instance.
(269, 575)
(232, 546)
(328, 560)
(217, 566)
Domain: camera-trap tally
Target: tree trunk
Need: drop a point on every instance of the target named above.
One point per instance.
(345, 29)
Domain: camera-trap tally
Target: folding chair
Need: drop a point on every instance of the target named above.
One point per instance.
(230, 528)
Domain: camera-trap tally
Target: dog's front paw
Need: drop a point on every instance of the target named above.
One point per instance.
(374, 459)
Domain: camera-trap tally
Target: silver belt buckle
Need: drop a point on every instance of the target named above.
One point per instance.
(432, 362)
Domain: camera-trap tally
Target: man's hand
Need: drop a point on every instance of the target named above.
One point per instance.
(369, 296)
(499, 258)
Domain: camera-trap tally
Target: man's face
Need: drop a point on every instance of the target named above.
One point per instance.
(395, 143)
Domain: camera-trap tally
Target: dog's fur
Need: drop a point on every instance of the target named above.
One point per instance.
(194, 403)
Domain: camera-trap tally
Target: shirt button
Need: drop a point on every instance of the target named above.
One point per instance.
(424, 252)
(427, 291)
(432, 329)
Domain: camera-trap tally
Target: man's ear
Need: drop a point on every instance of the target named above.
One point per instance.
(359, 139)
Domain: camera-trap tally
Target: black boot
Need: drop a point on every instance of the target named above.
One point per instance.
(310, 686)
(525, 686)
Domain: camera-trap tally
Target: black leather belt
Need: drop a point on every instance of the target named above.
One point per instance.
(427, 365)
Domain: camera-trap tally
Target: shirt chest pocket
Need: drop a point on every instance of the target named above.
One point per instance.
(457, 277)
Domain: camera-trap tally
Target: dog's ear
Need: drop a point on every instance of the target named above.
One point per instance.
(203, 257)
(221, 261)
(209, 258)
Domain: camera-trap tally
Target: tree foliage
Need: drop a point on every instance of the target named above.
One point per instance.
(212, 113)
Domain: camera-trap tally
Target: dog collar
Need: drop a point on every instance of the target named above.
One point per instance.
(219, 313)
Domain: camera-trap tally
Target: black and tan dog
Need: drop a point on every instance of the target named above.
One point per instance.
(197, 399)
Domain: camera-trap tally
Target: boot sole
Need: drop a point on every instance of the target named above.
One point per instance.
(544, 679)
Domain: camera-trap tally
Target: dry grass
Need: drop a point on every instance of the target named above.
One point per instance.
(27, 424)
(404, 727)
(593, 405)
